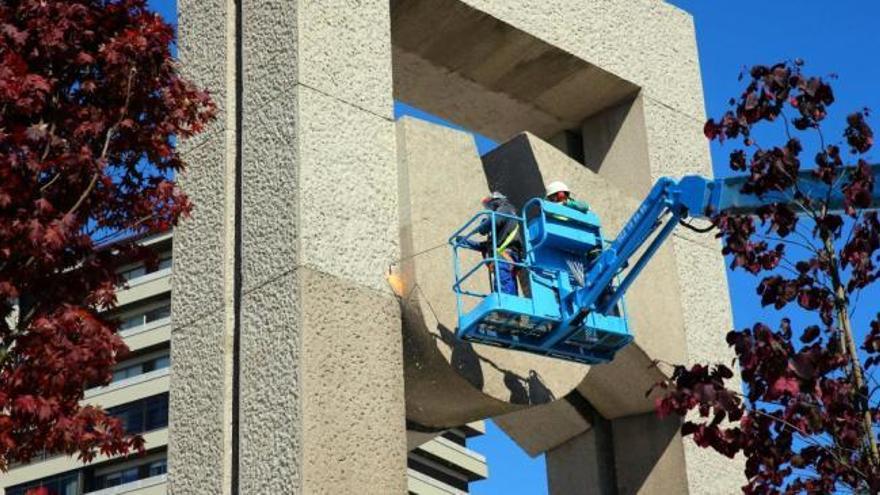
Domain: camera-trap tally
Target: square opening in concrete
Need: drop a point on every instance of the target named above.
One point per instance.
(467, 67)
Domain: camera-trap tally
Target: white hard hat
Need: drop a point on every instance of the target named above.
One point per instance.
(493, 196)
(557, 187)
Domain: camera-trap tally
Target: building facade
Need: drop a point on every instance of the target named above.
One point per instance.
(138, 394)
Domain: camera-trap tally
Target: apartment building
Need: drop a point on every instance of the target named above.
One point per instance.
(445, 465)
(138, 394)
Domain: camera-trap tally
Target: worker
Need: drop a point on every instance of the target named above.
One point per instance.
(509, 244)
(558, 192)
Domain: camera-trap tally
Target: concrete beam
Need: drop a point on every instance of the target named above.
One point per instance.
(490, 76)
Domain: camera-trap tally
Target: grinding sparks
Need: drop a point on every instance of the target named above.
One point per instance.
(395, 281)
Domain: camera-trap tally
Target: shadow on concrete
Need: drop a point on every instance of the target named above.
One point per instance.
(523, 390)
(609, 122)
(513, 170)
(464, 358)
(538, 392)
(640, 443)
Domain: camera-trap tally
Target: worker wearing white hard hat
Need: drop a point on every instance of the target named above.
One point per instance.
(558, 192)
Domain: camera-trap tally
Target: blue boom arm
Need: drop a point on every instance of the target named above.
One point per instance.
(669, 202)
(576, 280)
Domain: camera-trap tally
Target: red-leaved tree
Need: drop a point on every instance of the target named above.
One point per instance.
(807, 415)
(91, 103)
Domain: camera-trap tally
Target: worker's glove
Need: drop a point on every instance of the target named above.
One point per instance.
(462, 241)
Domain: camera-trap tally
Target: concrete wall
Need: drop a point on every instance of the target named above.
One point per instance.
(298, 385)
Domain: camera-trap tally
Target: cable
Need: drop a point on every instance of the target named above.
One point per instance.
(699, 230)
(438, 246)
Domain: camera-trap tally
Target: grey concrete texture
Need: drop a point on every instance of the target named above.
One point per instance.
(635, 455)
(449, 383)
(321, 378)
(352, 393)
(615, 145)
(498, 79)
(584, 464)
(527, 63)
(649, 43)
(322, 375)
(348, 171)
(199, 438)
(542, 428)
(649, 457)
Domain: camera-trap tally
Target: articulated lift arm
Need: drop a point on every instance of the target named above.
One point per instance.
(584, 321)
(668, 203)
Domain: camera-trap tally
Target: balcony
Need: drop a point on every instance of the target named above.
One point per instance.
(62, 463)
(147, 335)
(130, 389)
(463, 458)
(144, 286)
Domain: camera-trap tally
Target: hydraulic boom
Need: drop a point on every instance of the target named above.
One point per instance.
(577, 281)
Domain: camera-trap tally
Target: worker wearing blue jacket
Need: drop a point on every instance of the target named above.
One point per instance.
(509, 243)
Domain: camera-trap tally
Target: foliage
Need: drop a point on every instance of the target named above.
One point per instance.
(806, 421)
(91, 102)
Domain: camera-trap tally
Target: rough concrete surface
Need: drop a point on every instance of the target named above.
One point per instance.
(199, 443)
(314, 302)
(647, 42)
(353, 415)
(584, 463)
(346, 154)
(450, 383)
(649, 456)
(540, 429)
(493, 77)
(616, 145)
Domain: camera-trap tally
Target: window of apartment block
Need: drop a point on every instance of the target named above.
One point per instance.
(143, 415)
(128, 474)
(61, 484)
(138, 271)
(146, 316)
(157, 468)
(146, 366)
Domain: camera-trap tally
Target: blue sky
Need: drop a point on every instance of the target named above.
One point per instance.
(832, 37)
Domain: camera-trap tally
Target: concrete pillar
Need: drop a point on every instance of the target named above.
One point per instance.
(649, 456)
(295, 383)
(633, 455)
(583, 464)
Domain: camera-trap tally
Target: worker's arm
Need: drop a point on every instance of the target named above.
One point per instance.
(471, 244)
(580, 206)
(484, 227)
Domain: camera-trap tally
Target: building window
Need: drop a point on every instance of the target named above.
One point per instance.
(158, 467)
(165, 261)
(141, 270)
(118, 478)
(62, 484)
(129, 474)
(145, 317)
(144, 415)
(156, 363)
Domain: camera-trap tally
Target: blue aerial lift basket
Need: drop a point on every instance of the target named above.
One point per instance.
(558, 244)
